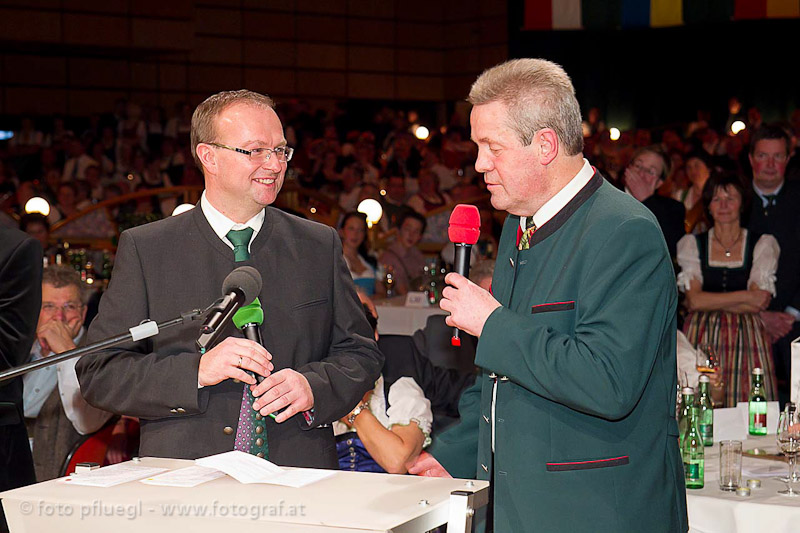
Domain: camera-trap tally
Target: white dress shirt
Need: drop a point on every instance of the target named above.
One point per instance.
(562, 197)
(222, 224)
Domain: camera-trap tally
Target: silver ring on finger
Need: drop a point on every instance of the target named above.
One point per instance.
(240, 362)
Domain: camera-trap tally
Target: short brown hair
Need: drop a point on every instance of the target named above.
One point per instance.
(60, 276)
(538, 94)
(207, 112)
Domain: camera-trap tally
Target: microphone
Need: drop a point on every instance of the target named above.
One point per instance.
(241, 287)
(248, 319)
(463, 232)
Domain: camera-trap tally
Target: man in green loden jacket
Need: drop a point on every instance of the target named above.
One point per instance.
(572, 418)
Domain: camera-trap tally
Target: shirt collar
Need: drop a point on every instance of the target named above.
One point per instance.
(761, 194)
(562, 197)
(222, 224)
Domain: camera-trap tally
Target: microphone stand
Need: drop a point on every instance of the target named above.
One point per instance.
(146, 329)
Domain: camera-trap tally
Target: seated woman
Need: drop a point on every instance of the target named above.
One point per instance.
(698, 170)
(353, 232)
(728, 279)
(380, 435)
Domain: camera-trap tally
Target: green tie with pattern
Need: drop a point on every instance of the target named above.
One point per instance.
(240, 238)
(251, 431)
(525, 239)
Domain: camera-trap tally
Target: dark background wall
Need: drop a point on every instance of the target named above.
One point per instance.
(77, 57)
(653, 77)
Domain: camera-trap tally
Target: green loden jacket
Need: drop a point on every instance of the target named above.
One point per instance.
(578, 383)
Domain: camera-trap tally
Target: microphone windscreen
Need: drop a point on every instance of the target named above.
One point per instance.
(249, 314)
(465, 224)
(245, 278)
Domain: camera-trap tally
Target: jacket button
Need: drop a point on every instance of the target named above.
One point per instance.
(492, 376)
(259, 430)
(227, 430)
(181, 410)
(258, 416)
(173, 411)
(259, 442)
(260, 455)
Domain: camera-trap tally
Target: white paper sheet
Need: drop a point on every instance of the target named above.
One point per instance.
(191, 476)
(109, 476)
(246, 468)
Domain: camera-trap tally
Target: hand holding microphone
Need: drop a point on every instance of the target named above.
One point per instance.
(232, 357)
(464, 230)
(468, 304)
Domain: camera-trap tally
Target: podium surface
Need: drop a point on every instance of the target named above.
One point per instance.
(345, 502)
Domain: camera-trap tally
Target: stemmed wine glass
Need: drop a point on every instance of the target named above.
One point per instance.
(707, 362)
(789, 443)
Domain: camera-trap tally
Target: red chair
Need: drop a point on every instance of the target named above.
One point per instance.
(93, 448)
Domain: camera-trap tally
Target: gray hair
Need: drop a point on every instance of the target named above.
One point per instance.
(60, 276)
(207, 112)
(538, 94)
(481, 270)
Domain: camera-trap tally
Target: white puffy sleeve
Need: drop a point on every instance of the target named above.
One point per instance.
(687, 361)
(689, 261)
(765, 263)
(408, 403)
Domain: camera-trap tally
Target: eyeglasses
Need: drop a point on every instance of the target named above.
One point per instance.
(763, 156)
(69, 308)
(259, 155)
(641, 168)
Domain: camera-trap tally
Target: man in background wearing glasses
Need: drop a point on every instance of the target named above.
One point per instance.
(56, 413)
(319, 356)
(645, 174)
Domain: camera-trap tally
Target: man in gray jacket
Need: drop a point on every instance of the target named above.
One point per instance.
(318, 357)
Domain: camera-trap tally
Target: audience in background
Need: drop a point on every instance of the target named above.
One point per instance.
(135, 147)
(402, 258)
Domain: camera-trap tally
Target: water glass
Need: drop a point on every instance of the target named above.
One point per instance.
(730, 464)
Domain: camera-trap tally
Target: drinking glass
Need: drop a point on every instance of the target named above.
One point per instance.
(788, 437)
(730, 464)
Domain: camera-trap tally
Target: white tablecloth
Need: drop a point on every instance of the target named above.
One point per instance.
(394, 318)
(712, 510)
(352, 502)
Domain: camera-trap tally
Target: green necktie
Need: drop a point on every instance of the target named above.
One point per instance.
(240, 238)
(525, 239)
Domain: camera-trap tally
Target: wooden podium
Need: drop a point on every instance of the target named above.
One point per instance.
(345, 502)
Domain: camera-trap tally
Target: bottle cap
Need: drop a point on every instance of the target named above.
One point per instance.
(705, 379)
(754, 483)
(758, 371)
(687, 390)
(743, 491)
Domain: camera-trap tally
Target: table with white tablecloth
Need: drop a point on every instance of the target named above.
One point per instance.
(712, 510)
(396, 318)
(354, 502)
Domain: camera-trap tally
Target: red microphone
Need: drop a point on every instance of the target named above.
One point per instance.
(464, 230)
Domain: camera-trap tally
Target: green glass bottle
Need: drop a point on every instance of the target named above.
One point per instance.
(693, 452)
(686, 410)
(706, 411)
(758, 404)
